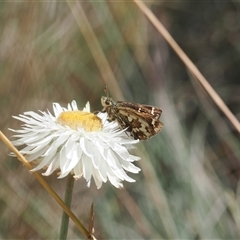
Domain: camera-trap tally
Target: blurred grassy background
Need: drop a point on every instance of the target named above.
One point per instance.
(189, 184)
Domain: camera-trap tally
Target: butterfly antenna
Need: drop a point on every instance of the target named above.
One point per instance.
(106, 91)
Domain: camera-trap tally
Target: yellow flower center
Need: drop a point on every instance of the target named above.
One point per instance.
(78, 119)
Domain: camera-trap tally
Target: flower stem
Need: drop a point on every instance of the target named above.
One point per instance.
(67, 200)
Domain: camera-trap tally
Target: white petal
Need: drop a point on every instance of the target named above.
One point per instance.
(73, 160)
(78, 170)
(87, 167)
(54, 165)
(85, 147)
(87, 107)
(130, 167)
(45, 161)
(57, 109)
(97, 178)
(74, 105)
(102, 170)
(37, 154)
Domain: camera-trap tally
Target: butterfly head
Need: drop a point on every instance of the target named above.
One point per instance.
(106, 101)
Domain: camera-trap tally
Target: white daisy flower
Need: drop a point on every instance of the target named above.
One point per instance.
(77, 142)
